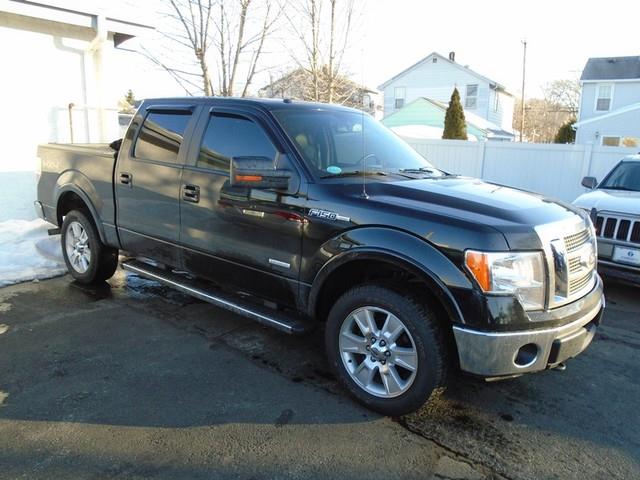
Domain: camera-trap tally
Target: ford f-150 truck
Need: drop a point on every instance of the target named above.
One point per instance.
(297, 214)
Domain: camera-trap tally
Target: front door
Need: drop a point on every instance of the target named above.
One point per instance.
(244, 239)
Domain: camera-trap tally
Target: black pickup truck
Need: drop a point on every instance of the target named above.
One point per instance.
(296, 213)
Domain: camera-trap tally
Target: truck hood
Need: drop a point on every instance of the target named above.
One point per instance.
(457, 200)
(610, 201)
(472, 198)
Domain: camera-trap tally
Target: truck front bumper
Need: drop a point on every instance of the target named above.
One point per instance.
(498, 354)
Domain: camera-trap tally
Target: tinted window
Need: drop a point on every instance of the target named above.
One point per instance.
(161, 135)
(230, 136)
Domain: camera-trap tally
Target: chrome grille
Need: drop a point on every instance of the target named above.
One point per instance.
(575, 241)
(579, 247)
(618, 228)
(577, 284)
(570, 251)
(574, 265)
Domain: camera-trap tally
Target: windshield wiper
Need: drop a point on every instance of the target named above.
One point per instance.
(620, 187)
(353, 173)
(426, 170)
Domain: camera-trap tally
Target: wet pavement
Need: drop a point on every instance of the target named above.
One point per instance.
(132, 379)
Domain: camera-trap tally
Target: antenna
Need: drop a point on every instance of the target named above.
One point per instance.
(364, 143)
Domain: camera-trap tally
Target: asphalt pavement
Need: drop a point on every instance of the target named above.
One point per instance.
(134, 380)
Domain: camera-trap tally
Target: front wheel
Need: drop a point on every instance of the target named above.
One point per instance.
(88, 259)
(387, 348)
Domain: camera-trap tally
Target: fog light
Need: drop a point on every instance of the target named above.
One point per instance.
(527, 355)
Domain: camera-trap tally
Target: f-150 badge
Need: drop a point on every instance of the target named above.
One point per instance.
(324, 214)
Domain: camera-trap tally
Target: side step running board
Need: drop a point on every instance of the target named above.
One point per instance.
(199, 289)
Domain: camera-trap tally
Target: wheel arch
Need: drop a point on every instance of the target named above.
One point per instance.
(347, 269)
(70, 197)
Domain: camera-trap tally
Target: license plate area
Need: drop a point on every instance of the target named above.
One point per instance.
(629, 256)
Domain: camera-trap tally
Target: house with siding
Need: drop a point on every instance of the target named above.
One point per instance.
(424, 118)
(435, 76)
(610, 102)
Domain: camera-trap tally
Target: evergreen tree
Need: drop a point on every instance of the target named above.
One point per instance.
(455, 126)
(566, 134)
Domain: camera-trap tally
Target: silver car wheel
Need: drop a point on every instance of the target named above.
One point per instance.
(77, 247)
(378, 352)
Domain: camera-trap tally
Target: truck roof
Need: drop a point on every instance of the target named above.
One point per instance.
(263, 103)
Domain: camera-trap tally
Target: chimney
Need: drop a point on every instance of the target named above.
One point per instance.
(452, 56)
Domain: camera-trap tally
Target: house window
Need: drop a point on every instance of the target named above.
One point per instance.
(471, 98)
(611, 141)
(400, 93)
(603, 98)
(496, 102)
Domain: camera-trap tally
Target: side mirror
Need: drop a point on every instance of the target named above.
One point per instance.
(257, 172)
(589, 182)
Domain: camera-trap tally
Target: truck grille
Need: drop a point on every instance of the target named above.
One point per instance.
(570, 251)
(579, 256)
(616, 228)
(575, 241)
(577, 284)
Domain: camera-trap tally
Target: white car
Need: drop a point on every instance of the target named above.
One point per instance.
(616, 201)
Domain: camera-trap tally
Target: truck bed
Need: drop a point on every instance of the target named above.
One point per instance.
(88, 166)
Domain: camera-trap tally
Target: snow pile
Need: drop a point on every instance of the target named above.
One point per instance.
(17, 195)
(28, 253)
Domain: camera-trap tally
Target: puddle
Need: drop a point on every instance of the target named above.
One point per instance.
(3, 328)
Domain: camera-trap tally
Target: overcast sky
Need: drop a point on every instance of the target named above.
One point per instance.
(486, 36)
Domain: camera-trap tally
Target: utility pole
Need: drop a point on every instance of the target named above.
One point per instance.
(524, 64)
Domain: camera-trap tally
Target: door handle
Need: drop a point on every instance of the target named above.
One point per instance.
(191, 193)
(126, 178)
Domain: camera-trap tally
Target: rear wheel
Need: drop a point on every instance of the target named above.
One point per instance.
(88, 259)
(386, 347)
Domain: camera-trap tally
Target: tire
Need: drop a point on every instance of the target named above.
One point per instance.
(421, 344)
(88, 259)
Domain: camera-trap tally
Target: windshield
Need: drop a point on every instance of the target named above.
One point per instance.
(626, 176)
(339, 143)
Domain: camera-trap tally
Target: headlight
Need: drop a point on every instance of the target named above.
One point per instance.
(517, 273)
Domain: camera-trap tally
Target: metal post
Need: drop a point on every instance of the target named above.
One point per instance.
(522, 108)
(70, 107)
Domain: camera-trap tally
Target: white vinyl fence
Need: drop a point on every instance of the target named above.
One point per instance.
(549, 169)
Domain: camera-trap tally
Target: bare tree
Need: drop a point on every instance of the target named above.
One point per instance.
(544, 118)
(564, 93)
(546, 115)
(238, 37)
(225, 37)
(195, 18)
(324, 30)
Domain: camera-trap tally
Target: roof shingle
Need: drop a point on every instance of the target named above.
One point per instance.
(612, 68)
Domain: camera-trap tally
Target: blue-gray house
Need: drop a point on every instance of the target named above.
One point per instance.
(610, 102)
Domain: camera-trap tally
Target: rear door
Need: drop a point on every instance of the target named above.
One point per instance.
(147, 183)
(242, 238)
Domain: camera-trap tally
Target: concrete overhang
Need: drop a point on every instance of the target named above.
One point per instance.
(84, 15)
